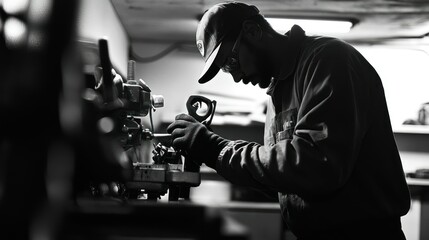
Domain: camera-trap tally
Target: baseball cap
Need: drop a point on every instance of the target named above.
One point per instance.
(216, 30)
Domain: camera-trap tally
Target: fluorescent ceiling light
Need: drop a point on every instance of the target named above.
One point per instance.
(311, 26)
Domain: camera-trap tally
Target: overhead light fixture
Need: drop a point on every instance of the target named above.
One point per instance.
(311, 26)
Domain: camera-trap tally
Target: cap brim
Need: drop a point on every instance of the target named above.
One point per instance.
(210, 69)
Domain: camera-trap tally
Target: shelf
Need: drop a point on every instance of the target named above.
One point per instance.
(412, 129)
(418, 182)
(261, 206)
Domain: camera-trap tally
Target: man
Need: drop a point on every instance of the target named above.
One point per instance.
(329, 150)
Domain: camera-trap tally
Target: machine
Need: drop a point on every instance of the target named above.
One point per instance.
(124, 103)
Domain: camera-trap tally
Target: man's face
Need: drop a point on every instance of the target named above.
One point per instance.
(248, 64)
(254, 66)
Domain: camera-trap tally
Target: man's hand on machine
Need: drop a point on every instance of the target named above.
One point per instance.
(191, 136)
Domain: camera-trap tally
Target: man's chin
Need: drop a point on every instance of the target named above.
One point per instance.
(264, 84)
(256, 80)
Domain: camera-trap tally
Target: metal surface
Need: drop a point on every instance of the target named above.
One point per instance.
(107, 220)
(161, 135)
(156, 177)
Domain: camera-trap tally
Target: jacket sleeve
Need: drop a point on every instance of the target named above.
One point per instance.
(320, 156)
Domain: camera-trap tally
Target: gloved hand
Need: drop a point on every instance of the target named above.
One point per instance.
(202, 145)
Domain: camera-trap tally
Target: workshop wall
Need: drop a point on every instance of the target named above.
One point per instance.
(404, 72)
(175, 77)
(97, 19)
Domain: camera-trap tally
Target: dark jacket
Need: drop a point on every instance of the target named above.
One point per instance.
(329, 150)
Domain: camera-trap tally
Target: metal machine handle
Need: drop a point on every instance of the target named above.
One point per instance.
(201, 108)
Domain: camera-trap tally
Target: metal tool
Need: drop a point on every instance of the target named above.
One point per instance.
(201, 108)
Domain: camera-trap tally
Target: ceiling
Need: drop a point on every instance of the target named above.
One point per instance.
(175, 21)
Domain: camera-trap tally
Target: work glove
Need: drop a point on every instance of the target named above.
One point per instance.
(201, 144)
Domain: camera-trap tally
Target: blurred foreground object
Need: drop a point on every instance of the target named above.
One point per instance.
(36, 158)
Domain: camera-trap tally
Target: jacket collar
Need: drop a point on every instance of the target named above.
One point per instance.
(296, 35)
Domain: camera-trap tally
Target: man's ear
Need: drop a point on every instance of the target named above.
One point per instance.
(252, 31)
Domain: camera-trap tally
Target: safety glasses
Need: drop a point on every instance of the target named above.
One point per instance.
(232, 64)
